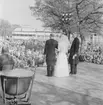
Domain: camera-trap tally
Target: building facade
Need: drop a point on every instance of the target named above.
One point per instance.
(26, 34)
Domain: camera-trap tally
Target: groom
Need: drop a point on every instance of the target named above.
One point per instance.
(49, 51)
(74, 57)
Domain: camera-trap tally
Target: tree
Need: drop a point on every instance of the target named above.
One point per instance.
(70, 15)
(89, 15)
(5, 28)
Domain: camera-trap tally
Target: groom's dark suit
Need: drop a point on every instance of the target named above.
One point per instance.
(49, 51)
(74, 50)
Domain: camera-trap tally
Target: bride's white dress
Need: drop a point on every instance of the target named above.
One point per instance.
(62, 68)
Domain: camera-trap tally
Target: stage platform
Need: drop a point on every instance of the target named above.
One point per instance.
(85, 88)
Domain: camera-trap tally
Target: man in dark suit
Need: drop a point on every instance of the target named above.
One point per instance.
(49, 51)
(74, 57)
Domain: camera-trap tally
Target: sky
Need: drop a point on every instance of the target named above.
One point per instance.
(18, 12)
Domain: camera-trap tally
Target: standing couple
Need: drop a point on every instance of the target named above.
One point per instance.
(57, 65)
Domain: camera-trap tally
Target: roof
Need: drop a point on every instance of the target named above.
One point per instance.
(29, 29)
(24, 29)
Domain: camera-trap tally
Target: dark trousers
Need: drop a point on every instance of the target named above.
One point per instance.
(50, 70)
(73, 68)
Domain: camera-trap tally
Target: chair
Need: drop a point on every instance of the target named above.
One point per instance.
(17, 88)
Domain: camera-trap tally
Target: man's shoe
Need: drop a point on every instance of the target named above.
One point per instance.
(70, 73)
(48, 75)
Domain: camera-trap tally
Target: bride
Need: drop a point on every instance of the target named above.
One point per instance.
(62, 67)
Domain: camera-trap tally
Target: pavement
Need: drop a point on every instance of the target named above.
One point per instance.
(85, 88)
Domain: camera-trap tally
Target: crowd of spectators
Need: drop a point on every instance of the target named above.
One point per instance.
(25, 56)
(30, 53)
(92, 53)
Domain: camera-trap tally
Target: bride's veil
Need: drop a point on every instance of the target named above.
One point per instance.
(64, 41)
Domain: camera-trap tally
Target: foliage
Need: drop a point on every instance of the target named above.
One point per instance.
(81, 15)
(5, 28)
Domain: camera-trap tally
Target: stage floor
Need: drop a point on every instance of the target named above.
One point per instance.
(85, 88)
